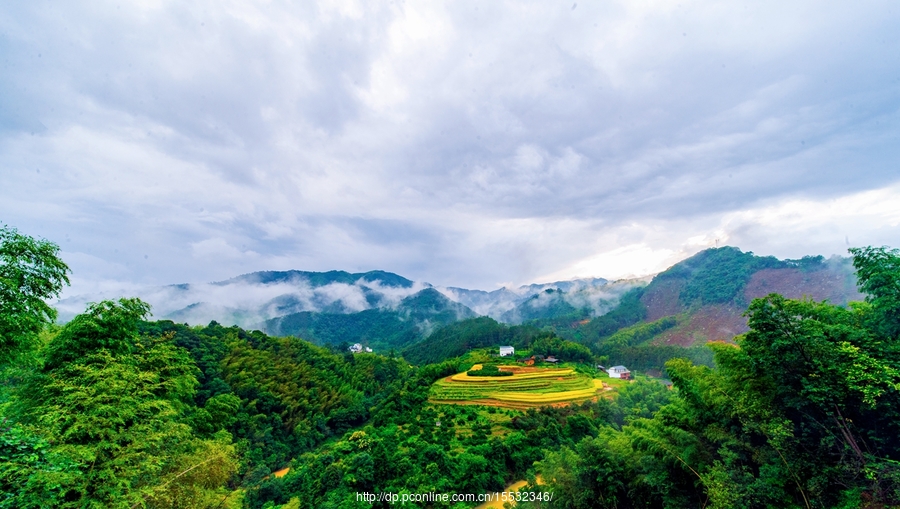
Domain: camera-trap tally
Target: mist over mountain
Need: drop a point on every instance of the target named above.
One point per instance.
(250, 299)
(527, 302)
(697, 300)
(285, 302)
(575, 300)
(414, 318)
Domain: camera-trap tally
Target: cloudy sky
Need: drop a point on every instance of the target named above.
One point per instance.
(471, 144)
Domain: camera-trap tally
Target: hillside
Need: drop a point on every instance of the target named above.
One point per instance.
(112, 410)
(705, 296)
(458, 338)
(722, 319)
(253, 298)
(549, 304)
(378, 308)
(382, 329)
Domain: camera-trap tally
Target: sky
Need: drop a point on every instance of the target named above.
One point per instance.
(464, 143)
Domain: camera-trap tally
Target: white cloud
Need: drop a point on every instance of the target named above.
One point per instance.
(461, 143)
(624, 262)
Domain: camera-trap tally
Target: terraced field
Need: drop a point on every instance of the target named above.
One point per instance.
(527, 387)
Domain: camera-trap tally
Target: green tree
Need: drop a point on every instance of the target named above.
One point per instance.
(30, 273)
(878, 270)
(801, 412)
(108, 326)
(112, 405)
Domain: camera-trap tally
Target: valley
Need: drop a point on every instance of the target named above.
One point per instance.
(221, 416)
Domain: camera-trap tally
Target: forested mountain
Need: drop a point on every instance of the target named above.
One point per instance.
(378, 308)
(591, 297)
(698, 300)
(801, 411)
(251, 299)
(701, 299)
(412, 319)
(548, 304)
(114, 410)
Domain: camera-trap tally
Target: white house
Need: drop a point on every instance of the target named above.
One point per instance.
(619, 372)
(356, 348)
(506, 351)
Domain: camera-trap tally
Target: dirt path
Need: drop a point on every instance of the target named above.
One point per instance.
(497, 501)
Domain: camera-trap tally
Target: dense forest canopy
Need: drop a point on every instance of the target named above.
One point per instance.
(800, 412)
(115, 410)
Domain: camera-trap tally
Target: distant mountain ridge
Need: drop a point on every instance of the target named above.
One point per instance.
(250, 299)
(696, 300)
(379, 307)
(414, 318)
(316, 279)
(594, 296)
(703, 298)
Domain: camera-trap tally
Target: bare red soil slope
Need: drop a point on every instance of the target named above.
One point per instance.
(834, 283)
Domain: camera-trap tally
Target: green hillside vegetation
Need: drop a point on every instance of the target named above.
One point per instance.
(719, 275)
(458, 338)
(631, 347)
(103, 418)
(474, 450)
(378, 328)
(114, 411)
(488, 370)
(801, 412)
(381, 329)
(562, 321)
(637, 334)
(549, 344)
(654, 357)
(548, 305)
(628, 312)
(292, 394)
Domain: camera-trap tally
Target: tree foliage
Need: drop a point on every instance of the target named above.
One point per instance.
(801, 412)
(108, 413)
(719, 275)
(629, 311)
(456, 339)
(30, 272)
(116, 411)
(878, 270)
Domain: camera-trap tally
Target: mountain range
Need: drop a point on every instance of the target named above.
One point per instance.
(377, 308)
(698, 299)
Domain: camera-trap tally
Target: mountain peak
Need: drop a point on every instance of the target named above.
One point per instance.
(316, 279)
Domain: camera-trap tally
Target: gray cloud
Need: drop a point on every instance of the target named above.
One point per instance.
(464, 144)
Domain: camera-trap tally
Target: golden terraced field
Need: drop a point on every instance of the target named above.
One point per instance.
(527, 387)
